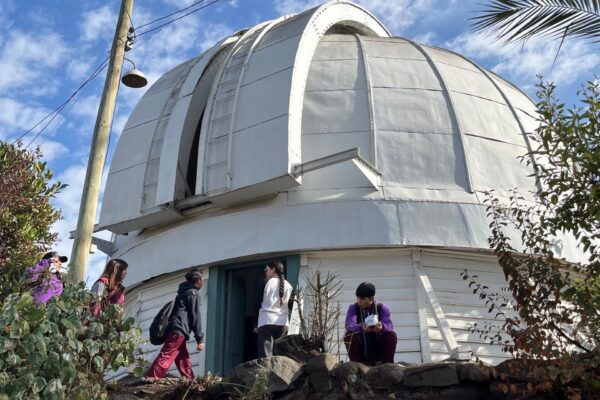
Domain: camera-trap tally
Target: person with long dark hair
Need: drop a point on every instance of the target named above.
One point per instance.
(109, 289)
(273, 311)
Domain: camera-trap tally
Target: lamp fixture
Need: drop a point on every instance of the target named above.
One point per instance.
(134, 78)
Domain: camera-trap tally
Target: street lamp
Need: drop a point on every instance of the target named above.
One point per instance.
(93, 175)
(134, 78)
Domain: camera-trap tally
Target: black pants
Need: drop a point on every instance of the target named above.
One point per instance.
(267, 334)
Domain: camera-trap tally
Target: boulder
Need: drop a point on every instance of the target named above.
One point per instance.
(319, 372)
(296, 348)
(436, 374)
(351, 376)
(472, 372)
(279, 373)
(296, 395)
(385, 375)
(350, 372)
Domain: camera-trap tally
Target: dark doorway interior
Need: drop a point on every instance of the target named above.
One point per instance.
(242, 291)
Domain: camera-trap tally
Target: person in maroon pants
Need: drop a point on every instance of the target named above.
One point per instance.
(370, 336)
(185, 318)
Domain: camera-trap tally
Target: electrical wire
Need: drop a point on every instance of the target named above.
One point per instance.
(170, 15)
(177, 19)
(58, 109)
(132, 38)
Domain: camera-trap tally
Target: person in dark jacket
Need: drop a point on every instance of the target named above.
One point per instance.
(184, 319)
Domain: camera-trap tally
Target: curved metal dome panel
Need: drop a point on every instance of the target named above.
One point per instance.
(434, 131)
(256, 98)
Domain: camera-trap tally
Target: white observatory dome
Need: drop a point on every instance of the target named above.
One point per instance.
(319, 139)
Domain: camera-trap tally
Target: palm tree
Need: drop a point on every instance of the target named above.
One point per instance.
(519, 20)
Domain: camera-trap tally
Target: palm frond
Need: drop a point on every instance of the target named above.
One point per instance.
(519, 20)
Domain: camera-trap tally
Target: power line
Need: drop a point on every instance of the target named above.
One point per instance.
(178, 18)
(54, 113)
(170, 15)
(58, 109)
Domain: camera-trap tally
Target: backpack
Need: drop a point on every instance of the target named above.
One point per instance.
(158, 328)
(159, 324)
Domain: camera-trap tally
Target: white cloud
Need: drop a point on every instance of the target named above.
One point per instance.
(396, 15)
(98, 24)
(17, 115)
(86, 107)
(25, 61)
(52, 150)
(16, 118)
(425, 38)
(523, 63)
(294, 6)
(211, 35)
(78, 69)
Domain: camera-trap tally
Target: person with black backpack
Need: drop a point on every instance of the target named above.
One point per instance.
(184, 318)
(370, 337)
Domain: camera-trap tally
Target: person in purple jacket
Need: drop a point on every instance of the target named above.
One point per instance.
(370, 337)
(45, 277)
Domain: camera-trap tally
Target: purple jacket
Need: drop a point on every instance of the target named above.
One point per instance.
(353, 326)
(45, 284)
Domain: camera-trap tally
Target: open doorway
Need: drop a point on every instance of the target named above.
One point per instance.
(240, 299)
(232, 291)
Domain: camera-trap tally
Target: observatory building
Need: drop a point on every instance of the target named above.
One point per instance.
(320, 140)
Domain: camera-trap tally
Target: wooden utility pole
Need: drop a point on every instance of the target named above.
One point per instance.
(93, 175)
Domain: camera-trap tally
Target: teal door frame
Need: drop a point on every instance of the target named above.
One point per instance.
(215, 319)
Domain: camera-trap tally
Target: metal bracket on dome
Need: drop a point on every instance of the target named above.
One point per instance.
(369, 171)
(105, 246)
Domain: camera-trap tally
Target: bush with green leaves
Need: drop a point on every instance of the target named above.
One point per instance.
(56, 350)
(26, 212)
(553, 309)
(59, 350)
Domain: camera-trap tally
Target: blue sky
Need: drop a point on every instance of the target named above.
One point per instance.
(48, 48)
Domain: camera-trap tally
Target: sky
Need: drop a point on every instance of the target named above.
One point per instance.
(48, 48)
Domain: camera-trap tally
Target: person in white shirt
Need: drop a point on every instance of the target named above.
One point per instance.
(272, 321)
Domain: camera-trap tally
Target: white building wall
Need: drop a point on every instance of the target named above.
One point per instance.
(463, 308)
(391, 271)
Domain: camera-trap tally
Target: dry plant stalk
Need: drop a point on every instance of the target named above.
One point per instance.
(318, 310)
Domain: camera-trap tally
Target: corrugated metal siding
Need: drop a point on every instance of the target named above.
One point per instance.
(335, 115)
(461, 307)
(393, 277)
(221, 109)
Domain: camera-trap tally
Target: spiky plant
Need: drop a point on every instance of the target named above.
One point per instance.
(520, 20)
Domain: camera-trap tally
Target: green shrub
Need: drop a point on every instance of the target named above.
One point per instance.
(58, 350)
(26, 212)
